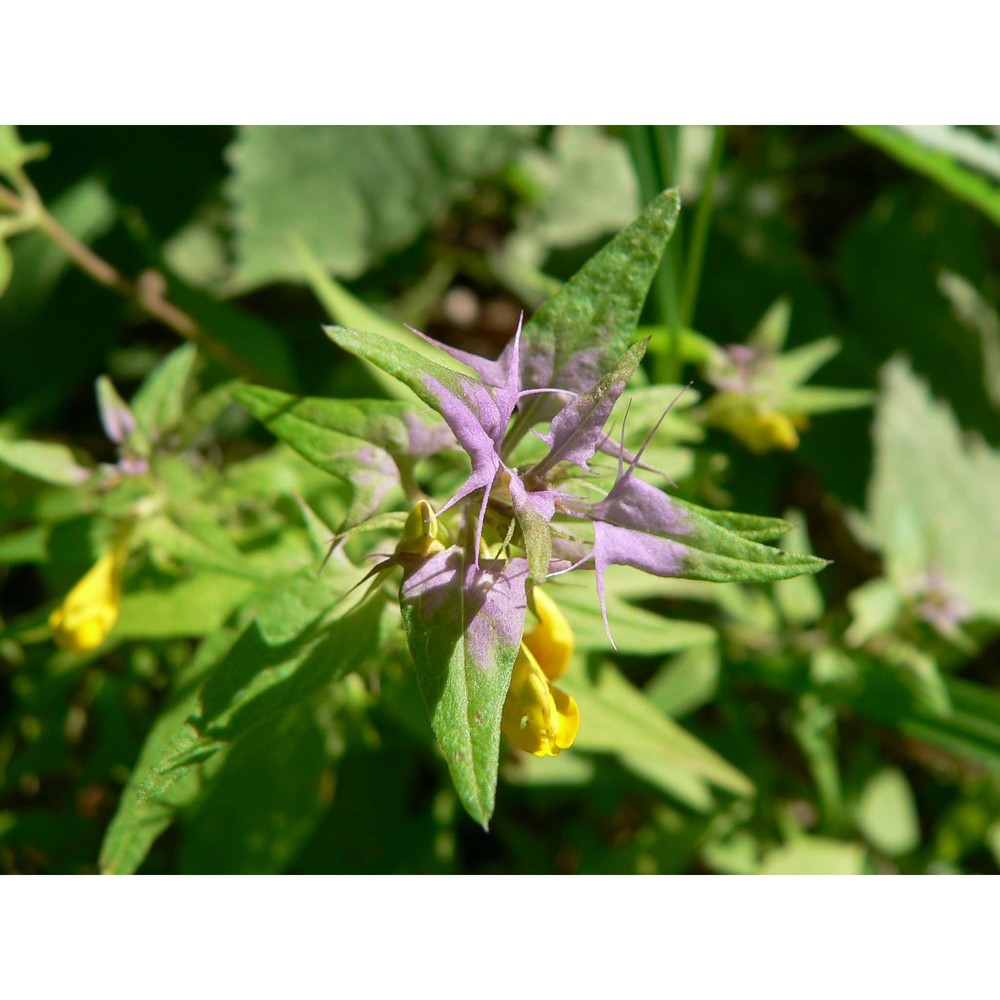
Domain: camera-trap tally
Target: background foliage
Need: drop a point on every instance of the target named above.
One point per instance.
(233, 721)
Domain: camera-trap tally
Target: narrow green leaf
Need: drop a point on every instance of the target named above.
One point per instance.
(615, 717)
(160, 402)
(402, 429)
(750, 526)
(139, 821)
(938, 166)
(52, 463)
(403, 363)
(801, 363)
(636, 630)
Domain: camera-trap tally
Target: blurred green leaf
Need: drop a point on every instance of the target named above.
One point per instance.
(157, 606)
(14, 153)
(635, 630)
(51, 463)
(886, 813)
(160, 402)
(931, 496)
(617, 718)
(352, 194)
(6, 265)
(928, 155)
(815, 856)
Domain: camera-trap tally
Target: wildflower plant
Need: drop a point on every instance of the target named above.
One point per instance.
(523, 515)
(251, 623)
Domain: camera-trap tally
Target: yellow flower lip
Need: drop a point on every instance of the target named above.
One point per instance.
(538, 717)
(89, 611)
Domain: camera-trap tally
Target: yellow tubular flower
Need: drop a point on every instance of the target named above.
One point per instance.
(90, 609)
(538, 717)
(761, 430)
(551, 639)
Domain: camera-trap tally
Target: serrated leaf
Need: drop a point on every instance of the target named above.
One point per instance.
(351, 193)
(51, 463)
(362, 442)
(464, 625)
(585, 327)
(932, 494)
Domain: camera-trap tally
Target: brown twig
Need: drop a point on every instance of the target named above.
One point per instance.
(148, 292)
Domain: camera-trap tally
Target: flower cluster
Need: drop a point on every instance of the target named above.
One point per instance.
(524, 515)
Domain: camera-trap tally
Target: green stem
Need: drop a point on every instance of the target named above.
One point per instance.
(699, 235)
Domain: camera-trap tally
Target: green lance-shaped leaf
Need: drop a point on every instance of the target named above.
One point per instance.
(159, 404)
(52, 463)
(308, 424)
(402, 362)
(464, 625)
(586, 326)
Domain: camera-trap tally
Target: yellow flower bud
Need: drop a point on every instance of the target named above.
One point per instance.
(420, 533)
(551, 639)
(90, 609)
(538, 717)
